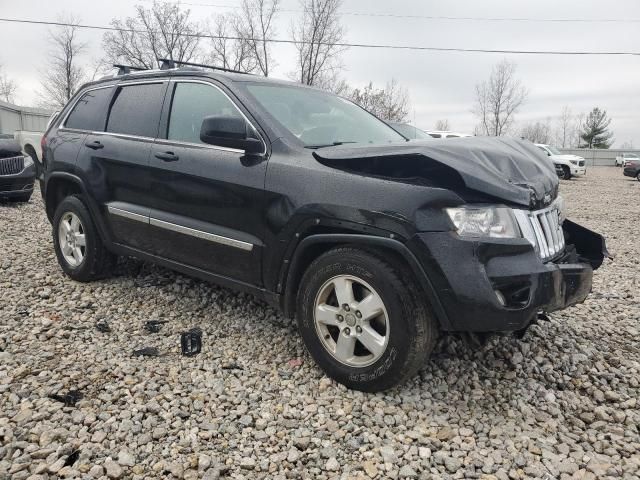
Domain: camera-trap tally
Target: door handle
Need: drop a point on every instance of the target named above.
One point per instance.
(96, 145)
(167, 156)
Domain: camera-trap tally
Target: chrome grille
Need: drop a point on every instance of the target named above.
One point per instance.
(11, 166)
(543, 229)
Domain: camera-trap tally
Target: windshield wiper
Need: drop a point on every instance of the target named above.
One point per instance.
(334, 144)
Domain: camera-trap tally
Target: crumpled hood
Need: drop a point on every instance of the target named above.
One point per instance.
(505, 168)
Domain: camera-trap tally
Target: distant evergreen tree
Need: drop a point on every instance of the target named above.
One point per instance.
(595, 130)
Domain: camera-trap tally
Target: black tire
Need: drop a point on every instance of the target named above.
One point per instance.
(98, 261)
(413, 331)
(566, 173)
(638, 176)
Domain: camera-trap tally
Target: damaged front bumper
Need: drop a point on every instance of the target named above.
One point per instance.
(500, 285)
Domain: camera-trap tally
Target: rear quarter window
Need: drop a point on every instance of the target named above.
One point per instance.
(89, 112)
(135, 110)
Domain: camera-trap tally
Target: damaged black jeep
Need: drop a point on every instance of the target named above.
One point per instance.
(306, 200)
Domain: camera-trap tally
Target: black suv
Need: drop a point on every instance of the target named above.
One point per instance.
(311, 203)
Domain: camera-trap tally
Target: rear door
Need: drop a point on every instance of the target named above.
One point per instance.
(115, 160)
(208, 201)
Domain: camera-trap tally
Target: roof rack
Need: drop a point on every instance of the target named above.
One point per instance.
(125, 69)
(166, 64)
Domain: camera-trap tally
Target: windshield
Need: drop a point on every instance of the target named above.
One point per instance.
(554, 150)
(321, 119)
(410, 131)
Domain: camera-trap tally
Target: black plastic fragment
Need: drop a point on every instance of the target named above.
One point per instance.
(191, 342)
(69, 399)
(232, 366)
(146, 352)
(154, 326)
(544, 316)
(103, 326)
(72, 458)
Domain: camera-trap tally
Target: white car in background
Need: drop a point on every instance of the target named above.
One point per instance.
(567, 166)
(447, 134)
(621, 160)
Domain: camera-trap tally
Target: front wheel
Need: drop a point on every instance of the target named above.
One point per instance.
(79, 248)
(364, 320)
(566, 173)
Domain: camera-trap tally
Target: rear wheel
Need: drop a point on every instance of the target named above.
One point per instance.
(566, 173)
(638, 176)
(79, 248)
(364, 320)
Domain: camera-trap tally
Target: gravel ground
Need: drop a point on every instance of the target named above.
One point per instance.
(560, 403)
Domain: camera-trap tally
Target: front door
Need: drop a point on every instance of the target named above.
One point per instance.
(208, 201)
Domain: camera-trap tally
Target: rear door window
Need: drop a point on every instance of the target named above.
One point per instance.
(89, 112)
(191, 103)
(136, 110)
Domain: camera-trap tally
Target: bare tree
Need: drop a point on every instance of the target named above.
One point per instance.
(8, 88)
(565, 127)
(257, 26)
(390, 103)
(318, 35)
(498, 99)
(63, 75)
(576, 140)
(443, 125)
(333, 82)
(163, 31)
(229, 48)
(538, 132)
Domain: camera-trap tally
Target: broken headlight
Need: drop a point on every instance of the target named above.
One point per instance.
(484, 221)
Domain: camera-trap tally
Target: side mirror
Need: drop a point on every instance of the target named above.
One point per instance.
(231, 132)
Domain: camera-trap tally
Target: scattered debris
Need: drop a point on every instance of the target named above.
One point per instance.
(146, 352)
(72, 458)
(544, 316)
(191, 342)
(103, 326)
(232, 366)
(22, 311)
(69, 399)
(154, 326)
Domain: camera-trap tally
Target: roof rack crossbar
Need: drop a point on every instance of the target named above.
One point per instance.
(166, 64)
(125, 69)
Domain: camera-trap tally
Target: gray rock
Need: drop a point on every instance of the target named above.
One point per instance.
(113, 470)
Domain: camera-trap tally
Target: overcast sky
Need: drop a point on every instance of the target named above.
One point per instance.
(440, 85)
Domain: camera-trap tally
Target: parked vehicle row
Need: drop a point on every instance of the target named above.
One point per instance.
(17, 172)
(566, 165)
(625, 158)
(306, 200)
(632, 167)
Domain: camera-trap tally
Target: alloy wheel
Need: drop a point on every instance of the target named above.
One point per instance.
(72, 240)
(351, 321)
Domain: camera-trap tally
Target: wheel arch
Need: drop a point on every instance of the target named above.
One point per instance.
(62, 184)
(31, 151)
(315, 245)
